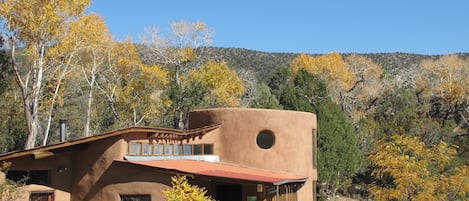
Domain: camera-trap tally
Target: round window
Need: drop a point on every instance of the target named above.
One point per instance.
(265, 139)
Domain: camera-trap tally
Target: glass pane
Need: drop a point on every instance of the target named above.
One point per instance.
(208, 149)
(265, 139)
(197, 149)
(252, 198)
(168, 149)
(41, 196)
(187, 149)
(135, 148)
(178, 149)
(158, 149)
(147, 148)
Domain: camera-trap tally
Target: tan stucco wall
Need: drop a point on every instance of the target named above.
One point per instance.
(127, 179)
(25, 191)
(235, 140)
(93, 174)
(59, 179)
(98, 177)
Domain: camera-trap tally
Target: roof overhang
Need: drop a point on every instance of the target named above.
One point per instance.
(222, 170)
(74, 145)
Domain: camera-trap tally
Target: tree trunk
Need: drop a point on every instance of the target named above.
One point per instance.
(24, 96)
(37, 88)
(91, 82)
(32, 131)
(54, 98)
(30, 104)
(181, 120)
(88, 111)
(179, 110)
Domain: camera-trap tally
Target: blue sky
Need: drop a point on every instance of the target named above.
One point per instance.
(309, 26)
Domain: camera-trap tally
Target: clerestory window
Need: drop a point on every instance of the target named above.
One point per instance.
(159, 149)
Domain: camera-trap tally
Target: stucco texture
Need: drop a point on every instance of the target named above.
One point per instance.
(235, 141)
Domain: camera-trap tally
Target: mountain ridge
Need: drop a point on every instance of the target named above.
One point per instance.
(263, 63)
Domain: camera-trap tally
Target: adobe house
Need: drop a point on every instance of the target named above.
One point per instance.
(236, 154)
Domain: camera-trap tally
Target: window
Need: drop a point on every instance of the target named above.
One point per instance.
(197, 149)
(29, 177)
(147, 148)
(135, 148)
(251, 198)
(135, 198)
(208, 149)
(41, 196)
(151, 149)
(168, 149)
(187, 149)
(265, 139)
(178, 149)
(158, 149)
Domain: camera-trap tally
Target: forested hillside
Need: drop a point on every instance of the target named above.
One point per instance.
(391, 126)
(264, 63)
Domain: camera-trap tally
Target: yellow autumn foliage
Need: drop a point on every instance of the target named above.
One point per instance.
(187, 54)
(329, 67)
(35, 26)
(225, 85)
(446, 78)
(181, 190)
(418, 172)
(139, 96)
(40, 20)
(369, 86)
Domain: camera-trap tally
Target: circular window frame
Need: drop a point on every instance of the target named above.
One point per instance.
(265, 139)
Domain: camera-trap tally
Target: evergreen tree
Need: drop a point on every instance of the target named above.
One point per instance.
(339, 154)
(265, 99)
(303, 93)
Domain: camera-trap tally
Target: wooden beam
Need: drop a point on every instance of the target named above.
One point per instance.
(42, 154)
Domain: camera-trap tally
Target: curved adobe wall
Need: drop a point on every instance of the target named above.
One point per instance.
(235, 140)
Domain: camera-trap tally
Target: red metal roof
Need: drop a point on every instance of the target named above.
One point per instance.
(222, 170)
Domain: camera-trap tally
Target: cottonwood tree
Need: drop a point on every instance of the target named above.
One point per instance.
(213, 85)
(177, 50)
(62, 57)
(410, 170)
(223, 83)
(129, 86)
(444, 83)
(330, 68)
(368, 87)
(139, 99)
(91, 37)
(34, 26)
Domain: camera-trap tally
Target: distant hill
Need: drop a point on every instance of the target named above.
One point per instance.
(264, 63)
(261, 63)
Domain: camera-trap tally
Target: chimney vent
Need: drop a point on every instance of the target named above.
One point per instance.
(63, 130)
